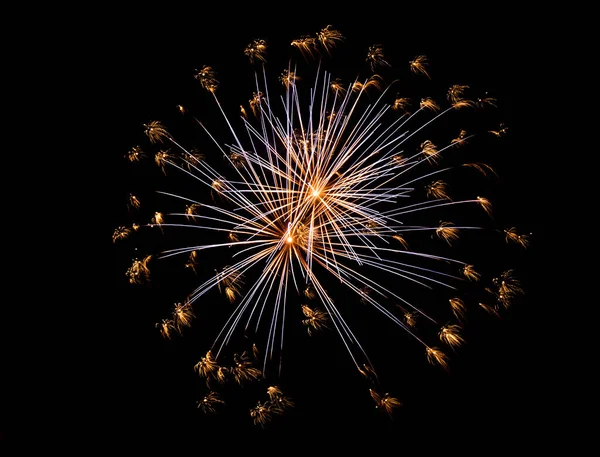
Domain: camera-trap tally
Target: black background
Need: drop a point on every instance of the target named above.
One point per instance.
(492, 396)
(139, 391)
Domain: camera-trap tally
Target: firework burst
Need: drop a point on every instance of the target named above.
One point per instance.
(327, 179)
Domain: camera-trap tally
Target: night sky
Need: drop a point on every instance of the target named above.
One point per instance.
(491, 396)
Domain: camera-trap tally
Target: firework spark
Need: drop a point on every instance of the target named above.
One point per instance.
(385, 402)
(328, 189)
(210, 402)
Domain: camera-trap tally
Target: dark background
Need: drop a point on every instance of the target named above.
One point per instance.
(492, 396)
(139, 392)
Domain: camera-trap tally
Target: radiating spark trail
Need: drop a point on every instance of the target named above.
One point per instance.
(321, 185)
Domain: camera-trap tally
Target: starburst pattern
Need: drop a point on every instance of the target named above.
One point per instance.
(256, 50)
(316, 319)
(135, 154)
(450, 334)
(385, 402)
(182, 315)
(139, 271)
(513, 235)
(376, 58)
(329, 37)
(155, 131)
(210, 402)
(332, 189)
(419, 65)
(121, 233)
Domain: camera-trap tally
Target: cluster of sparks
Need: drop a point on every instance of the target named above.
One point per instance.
(317, 193)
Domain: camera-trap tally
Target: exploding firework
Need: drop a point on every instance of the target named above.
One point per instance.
(324, 189)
